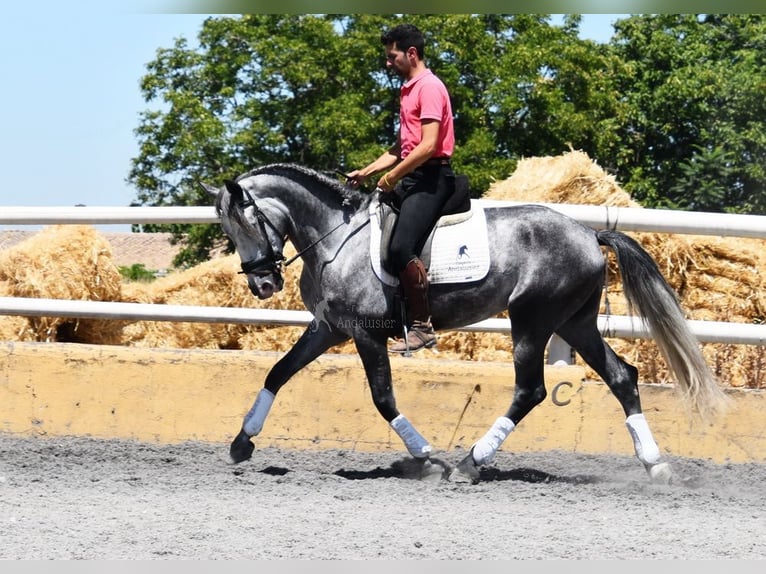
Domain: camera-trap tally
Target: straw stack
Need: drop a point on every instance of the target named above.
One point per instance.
(61, 262)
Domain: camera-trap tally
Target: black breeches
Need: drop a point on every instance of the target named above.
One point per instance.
(426, 191)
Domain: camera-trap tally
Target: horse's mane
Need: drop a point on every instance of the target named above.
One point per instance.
(347, 197)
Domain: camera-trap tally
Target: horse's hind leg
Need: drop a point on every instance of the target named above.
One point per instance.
(529, 343)
(622, 379)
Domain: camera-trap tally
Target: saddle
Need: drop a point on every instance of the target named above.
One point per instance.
(456, 210)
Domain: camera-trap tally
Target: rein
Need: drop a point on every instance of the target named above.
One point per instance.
(302, 251)
(274, 260)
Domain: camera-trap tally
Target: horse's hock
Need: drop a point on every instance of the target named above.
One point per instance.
(172, 396)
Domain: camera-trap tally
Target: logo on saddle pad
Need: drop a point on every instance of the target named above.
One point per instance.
(456, 252)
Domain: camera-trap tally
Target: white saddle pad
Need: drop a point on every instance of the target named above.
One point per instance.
(459, 252)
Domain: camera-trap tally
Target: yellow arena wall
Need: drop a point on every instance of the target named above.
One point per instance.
(173, 395)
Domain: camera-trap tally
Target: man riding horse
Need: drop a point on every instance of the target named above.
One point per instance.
(419, 164)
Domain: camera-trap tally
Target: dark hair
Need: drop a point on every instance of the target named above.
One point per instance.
(405, 36)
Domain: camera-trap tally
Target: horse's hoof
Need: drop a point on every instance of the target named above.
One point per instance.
(425, 469)
(466, 471)
(660, 473)
(434, 470)
(241, 448)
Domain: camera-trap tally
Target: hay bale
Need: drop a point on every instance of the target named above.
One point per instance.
(213, 283)
(216, 283)
(12, 328)
(569, 178)
(63, 262)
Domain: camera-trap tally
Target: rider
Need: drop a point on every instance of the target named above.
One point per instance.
(419, 163)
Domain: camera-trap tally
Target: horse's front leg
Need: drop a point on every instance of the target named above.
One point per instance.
(316, 339)
(374, 354)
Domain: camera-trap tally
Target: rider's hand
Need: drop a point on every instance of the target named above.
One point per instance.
(355, 179)
(386, 184)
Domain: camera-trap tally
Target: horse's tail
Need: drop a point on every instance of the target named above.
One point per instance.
(648, 293)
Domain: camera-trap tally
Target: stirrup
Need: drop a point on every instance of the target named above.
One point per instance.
(420, 335)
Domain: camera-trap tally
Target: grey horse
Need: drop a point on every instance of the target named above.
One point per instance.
(546, 269)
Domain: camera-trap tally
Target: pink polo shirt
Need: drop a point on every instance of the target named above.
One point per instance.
(425, 97)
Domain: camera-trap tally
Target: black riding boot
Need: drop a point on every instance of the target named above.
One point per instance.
(414, 281)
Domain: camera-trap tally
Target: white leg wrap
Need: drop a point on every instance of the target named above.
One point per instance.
(647, 450)
(255, 417)
(416, 445)
(486, 447)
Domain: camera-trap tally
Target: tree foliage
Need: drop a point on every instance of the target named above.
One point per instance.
(137, 272)
(673, 105)
(696, 91)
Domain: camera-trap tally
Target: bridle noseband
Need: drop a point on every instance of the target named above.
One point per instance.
(273, 260)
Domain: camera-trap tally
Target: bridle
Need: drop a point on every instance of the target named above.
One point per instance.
(273, 261)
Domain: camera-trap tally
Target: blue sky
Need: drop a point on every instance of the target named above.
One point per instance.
(71, 101)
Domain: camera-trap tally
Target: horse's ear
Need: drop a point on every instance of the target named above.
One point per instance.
(209, 188)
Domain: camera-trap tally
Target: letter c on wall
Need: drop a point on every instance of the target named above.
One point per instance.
(555, 394)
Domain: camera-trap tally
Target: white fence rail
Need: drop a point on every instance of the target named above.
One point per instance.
(599, 217)
(610, 325)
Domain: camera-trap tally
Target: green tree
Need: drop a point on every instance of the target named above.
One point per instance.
(313, 89)
(137, 272)
(260, 89)
(695, 89)
(521, 87)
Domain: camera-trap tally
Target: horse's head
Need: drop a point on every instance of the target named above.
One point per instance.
(255, 236)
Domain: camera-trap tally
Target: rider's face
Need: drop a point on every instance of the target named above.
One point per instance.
(398, 60)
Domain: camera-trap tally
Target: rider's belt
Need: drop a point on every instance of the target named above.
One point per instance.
(437, 161)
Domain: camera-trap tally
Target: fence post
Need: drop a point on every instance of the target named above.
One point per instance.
(559, 352)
